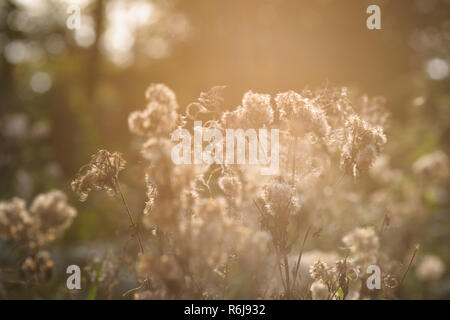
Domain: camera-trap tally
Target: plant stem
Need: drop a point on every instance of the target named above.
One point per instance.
(286, 271)
(409, 265)
(133, 225)
(300, 255)
(146, 282)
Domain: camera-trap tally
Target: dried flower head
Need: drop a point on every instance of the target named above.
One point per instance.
(159, 117)
(49, 214)
(362, 145)
(156, 119)
(302, 114)
(52, 213)
(100, 174)
(364, 243)
(280, 199)
(163, 95)
(334, 101)
(320, 271)
(257, 110)
(15, 221)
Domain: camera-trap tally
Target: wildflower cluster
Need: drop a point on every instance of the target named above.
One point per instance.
(32, 228)
(209, 225)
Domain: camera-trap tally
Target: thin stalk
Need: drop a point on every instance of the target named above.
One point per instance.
(281, 271)
(141, 286)
(261, 212)
(146, 282)
(300, 256)
(409, 265)
(286, 271)
(133, 225)
(335, 291)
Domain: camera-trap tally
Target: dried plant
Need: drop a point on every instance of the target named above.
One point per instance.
(30, 230)
(215, 227)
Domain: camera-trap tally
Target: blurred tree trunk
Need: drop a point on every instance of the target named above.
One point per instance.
(7, 86)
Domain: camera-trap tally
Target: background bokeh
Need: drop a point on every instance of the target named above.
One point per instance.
(66, 93)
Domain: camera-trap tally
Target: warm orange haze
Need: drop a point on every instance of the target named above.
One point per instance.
(263, 149)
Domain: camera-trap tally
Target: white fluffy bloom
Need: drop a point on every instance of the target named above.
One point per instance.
(433, 166)
(364, 243)
(257, 110)
(430, 268)
(14, 219)
(52, 212)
